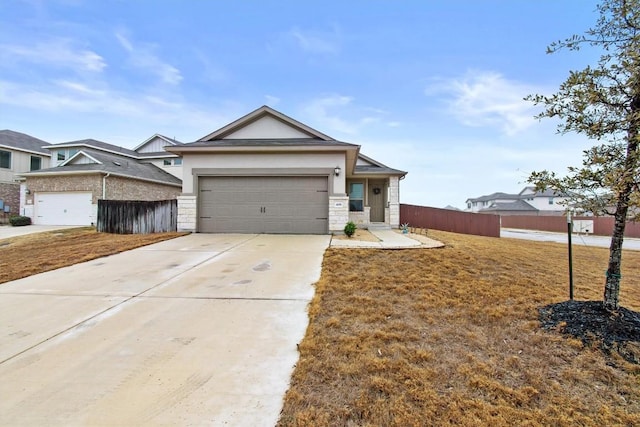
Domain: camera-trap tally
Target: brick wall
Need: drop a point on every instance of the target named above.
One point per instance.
(10, 195)
(87, 183)
(117, 188)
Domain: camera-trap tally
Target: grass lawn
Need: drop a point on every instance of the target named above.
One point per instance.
(452, 336)
(36, 253)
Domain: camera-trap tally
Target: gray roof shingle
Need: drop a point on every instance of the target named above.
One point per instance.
(97, 144)
(22, 141)
(290, 142)
(115, 164)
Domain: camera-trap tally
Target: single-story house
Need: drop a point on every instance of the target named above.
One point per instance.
(19, 153)
(88, 170)
(268, 173)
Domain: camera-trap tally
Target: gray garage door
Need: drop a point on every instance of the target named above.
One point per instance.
(279, 205)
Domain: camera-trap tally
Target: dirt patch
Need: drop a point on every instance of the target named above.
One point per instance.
(590, 322)
(360, 234)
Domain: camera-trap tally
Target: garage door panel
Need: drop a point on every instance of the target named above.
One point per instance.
(291, 205)
(68, 208)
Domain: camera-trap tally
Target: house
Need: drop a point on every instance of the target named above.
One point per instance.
(269, 173)
(526, 202)
(19, 153)
(88, 170)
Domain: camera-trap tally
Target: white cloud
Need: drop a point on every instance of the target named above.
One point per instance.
(339, 113)
(487, 99)
(61, 53)
(271, 100)
(79, 97)
(143, 57)
(316, 41)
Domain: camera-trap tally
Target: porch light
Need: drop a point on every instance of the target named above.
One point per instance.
(337, 170)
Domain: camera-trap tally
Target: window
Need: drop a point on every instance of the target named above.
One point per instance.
(550, 200)
(166, 162)
(61, 156)
(469, 205)
(5, 159)
(178, 161)
(36, 163)
(356, 197)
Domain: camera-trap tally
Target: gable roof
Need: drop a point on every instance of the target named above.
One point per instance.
(375, 167)
(495, 196)
(114, 164)
(93, 143)
(255, 115)
(518, 205)
(23, 142)
(169, 141)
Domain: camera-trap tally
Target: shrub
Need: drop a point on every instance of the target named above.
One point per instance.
(19, 221)
(350, 229)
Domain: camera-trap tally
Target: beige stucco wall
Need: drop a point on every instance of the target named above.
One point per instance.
(274, 161)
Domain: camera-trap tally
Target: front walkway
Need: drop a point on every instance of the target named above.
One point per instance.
(390, 239)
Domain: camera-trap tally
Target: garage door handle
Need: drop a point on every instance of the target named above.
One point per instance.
(205, 217)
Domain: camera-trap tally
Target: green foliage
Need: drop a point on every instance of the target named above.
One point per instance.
(603, 103)
(19, 221)
(350, 229)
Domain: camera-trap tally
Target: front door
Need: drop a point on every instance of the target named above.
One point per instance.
(376, 200)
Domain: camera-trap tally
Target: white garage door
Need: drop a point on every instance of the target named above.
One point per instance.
(63, 209)
(263, 204)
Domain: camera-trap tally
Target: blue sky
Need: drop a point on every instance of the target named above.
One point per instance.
(431, 87)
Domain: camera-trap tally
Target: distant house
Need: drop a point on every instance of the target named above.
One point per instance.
(19, 153)
(88, 170)
(526, 202)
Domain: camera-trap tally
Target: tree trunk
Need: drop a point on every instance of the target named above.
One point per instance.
(612, 284)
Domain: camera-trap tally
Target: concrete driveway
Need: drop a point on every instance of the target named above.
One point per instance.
(199, 330)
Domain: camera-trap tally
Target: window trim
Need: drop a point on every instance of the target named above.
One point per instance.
(39, 159)
(358, 199)
(9, 157)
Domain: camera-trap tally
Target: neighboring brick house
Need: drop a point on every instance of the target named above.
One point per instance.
(68, 193)
(18, 153)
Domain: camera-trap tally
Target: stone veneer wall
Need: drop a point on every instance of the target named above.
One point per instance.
(394, 202)
(361, 219)
(338, 213)
(187, 213)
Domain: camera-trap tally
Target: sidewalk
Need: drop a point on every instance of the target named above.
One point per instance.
(389, 239)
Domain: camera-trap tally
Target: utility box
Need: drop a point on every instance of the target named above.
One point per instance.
(583, 226)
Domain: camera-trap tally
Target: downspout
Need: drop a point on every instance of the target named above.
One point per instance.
(104, 185)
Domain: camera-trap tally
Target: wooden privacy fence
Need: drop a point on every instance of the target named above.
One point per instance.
(137, 217)
(450, 220)
(602, 226)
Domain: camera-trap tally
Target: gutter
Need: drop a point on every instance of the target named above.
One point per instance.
(104, 185)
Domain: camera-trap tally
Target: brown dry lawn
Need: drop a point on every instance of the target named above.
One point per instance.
(36, 253)
(451, 336)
